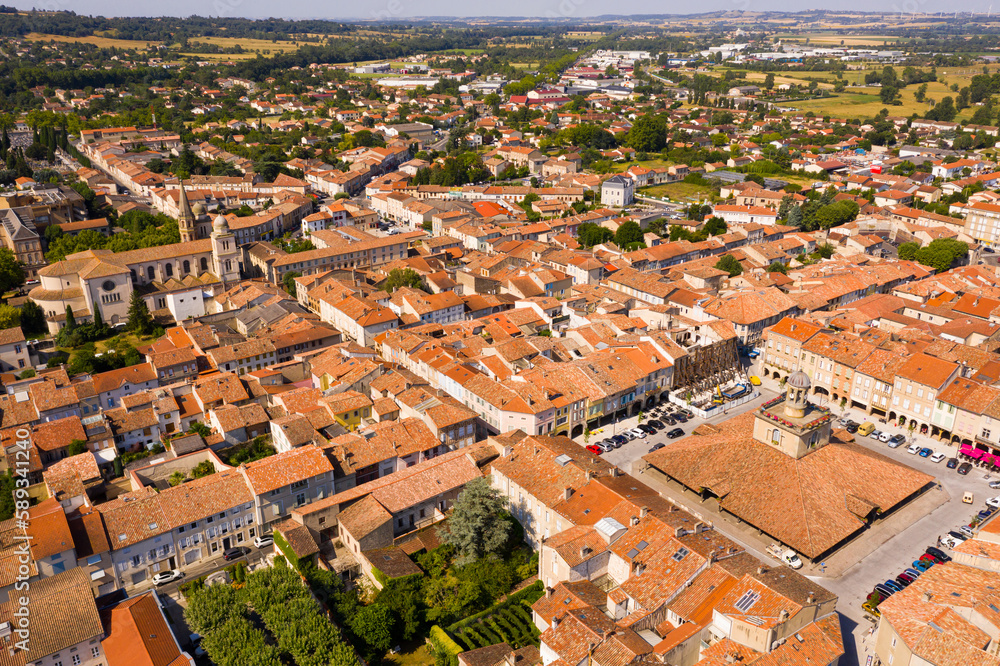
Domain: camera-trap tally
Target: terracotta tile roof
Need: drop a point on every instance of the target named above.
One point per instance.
(48, 529)
(63, 615)
(810, 504)
(137, 634)
(54, 435)
(132, 375)
(286, 468)
(364, 517)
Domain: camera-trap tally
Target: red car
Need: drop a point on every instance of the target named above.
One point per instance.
(595, 449)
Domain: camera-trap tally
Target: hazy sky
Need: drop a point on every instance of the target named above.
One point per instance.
(401, 9)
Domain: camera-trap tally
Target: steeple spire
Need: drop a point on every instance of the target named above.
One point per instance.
(186, 217)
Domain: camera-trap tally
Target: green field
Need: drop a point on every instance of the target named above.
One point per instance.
(681, 191)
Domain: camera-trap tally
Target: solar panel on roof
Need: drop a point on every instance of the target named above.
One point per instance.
(746, 602)
(631, 554)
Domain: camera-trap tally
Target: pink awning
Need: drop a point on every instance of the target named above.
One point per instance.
(966, 449)
(976, 454)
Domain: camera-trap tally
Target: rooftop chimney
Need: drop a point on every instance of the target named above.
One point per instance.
(590, 475)
(643, 510)
(783, 615)
(548, 593)
(761, 570)
(555, 622)
(634, 521)
(811, 598)
(584, 551)
(927, 595)
(567, 492)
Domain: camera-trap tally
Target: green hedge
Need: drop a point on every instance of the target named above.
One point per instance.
(286, 550)
(443, 646)
(528, 595)
(507, 622)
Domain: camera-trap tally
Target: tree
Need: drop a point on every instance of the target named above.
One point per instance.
(942, 253)
(71, 320)
(288, 280)
(628, 233)
(204, 468)
(729, 264)
(374, 625)
(716, 226)
(11, 271)
(777, 267)
(769, 81)
(76, 447)
(907, 251)
(402, 277)
(590, 234)
(825, 251)
(177, 478)
(10, 316)
(199, 428)
(649, 134)
(477, 527)
(32, 318)
(140, 321)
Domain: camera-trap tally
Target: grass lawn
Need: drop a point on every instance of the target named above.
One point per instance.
(411, 654)
(681, 191)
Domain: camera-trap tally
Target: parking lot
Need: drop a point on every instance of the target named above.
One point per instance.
(631, 451)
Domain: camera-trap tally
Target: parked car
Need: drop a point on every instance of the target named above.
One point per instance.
(784, 555)
(907, 577)
(895, 441)
(967, 531)
(646, 428)
(938, 554)
(235, 553)
(675, 433)
(993, 502)
(953, 463)
(657, 424)
(263, 540)
(893, 585)
(595, 449)
(912, 573)
(884, 437)
(964, 468)
(875, 434)
(995, 485)
(670, 420)
(922, 565)
(852, 427)
(656, 447)
(195, 639)
(637, 434)
(957, 535)
(949, 541)
(886, 592)
(926, 452)
(164, 577)
(682, 418)
(937, 457)
(985, 513)
(871, 609)
(913, 449)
